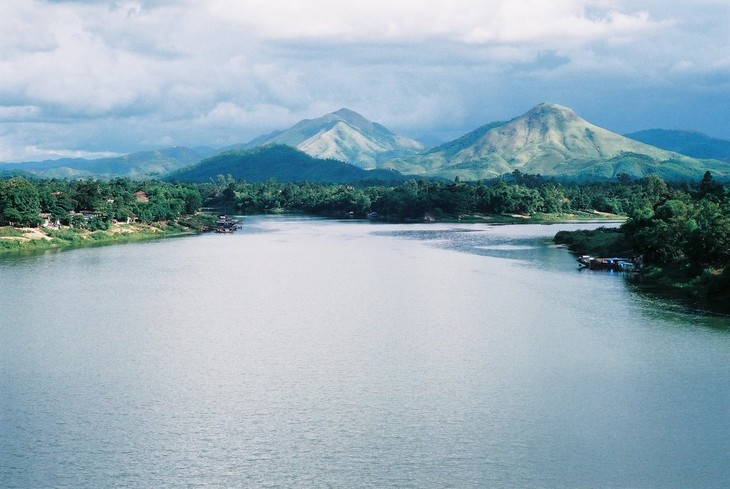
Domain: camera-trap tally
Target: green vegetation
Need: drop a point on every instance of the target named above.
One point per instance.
(93, 204)
(280, 162)
(75, 213)
(599, 242)
(683, 234)
(19, 202)
(516, 195)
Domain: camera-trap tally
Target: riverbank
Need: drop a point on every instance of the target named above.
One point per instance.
(30, 240)
(544, 217)
(707, 288)
(596, 242)
(536, 218)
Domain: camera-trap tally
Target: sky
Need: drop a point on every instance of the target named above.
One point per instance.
(97, 78)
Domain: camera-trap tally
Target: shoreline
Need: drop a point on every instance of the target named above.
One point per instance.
(24, 241)
(703, 290)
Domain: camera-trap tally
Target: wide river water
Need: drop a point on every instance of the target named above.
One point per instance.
(314, 353)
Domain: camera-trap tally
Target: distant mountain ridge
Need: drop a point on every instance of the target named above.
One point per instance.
(689, 143)
(549, 139)
(343, 135)
(143, 164)
(552, 140)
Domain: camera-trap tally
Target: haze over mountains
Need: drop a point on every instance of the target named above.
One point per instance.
(549, 139)
(144, 164)
(690, 143)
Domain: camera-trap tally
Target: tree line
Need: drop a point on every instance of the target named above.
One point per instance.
(93, 204)
(682, 233)
(668, 224)
(681, 227)
(516, 193)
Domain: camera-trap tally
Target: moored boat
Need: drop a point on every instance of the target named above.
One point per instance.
(633, 264)
(226, 224)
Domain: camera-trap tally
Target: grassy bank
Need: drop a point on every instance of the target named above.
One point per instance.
(597, 242)
(536, 218)
(30, 240)
(707, 288)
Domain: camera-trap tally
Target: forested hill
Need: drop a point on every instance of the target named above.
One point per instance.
(282, 163)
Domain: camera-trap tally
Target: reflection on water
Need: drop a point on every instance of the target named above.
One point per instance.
(304, 352)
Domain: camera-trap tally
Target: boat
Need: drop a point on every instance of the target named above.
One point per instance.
(226, 224)
(633, 264)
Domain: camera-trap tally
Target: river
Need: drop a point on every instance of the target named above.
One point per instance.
(304, 352)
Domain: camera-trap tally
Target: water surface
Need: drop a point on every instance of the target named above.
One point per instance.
(313, 353)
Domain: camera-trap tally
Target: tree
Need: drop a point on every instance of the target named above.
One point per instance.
(710, 189)
(19, 202)
(654, 188)
(709, 242)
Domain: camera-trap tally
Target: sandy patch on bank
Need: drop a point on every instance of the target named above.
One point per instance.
(122, 229)
(29, 234)
(132, 228)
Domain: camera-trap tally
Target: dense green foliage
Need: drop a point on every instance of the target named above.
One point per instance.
(598, 242)
(683, 227)
(414, 199)
(683, 234)
(94, 204)
(19, 202)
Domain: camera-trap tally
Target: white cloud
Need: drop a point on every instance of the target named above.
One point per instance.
(231, 115)
(19, 113)
(36, 153)
(473, 21)
(130, 74)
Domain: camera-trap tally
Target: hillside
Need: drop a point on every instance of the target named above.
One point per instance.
(552, 140)
(549, 140)
(282, 163)
(343, 135)
(690, 143)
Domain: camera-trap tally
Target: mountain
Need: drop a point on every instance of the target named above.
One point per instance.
(14, 173)
(549, 140)
(552, 140)
(690, 143)
(135, 165)
(280, 162)
(342, 135)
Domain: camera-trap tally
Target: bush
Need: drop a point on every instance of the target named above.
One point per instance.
(602, 241)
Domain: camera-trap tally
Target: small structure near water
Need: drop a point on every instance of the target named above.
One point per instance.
(226, 224)
(633, 264)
